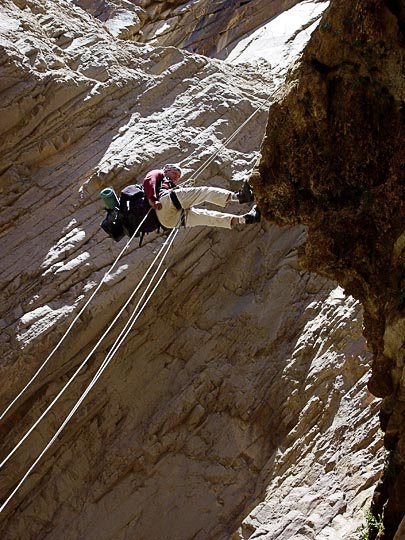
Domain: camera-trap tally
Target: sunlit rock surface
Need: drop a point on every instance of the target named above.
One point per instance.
(238, 405)
(202, 26)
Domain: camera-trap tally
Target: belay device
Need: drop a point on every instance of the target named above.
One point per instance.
(124, 215)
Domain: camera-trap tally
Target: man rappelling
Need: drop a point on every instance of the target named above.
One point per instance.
(160, 203)
(175, 205)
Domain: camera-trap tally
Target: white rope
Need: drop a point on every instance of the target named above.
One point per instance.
(61, 392)
(203, 166)
(190, 181)
(127, 328)
(135, 315)
(72, 323)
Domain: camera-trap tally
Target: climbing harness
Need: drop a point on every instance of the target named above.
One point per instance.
(177, 205)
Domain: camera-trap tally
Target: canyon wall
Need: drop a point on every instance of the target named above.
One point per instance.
(238, 405)
(333, 160)
(204, 27)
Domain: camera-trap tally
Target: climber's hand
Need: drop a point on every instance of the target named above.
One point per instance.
(156, 205)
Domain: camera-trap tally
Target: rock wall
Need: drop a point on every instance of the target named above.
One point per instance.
(238, 405)
(333, 160)
(204, 27)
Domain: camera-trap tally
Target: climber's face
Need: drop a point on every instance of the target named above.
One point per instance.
(173, 174)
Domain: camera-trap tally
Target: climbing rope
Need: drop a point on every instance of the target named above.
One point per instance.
(191, 181)
(80, 367)
(118, 342)
(127, 328)
(72, 323)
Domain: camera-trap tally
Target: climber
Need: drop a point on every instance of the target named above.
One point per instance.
(178, 206)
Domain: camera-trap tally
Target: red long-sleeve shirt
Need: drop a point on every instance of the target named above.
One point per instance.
(154, 182)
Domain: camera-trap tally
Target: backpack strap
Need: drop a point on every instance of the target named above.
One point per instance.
(175, 200)
(177, 204)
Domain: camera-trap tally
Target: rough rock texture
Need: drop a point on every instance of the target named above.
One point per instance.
(333, 159)
(238, 405)
(205, 27)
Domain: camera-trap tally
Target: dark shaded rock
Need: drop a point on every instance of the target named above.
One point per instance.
(333, 159)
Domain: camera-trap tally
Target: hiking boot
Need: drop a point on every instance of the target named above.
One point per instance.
(253, 216)
(245, 194)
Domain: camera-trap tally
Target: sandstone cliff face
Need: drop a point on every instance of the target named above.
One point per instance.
(205, 27)
(333, 160)
(238, 405)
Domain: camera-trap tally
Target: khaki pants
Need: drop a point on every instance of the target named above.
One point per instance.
(170, 217)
